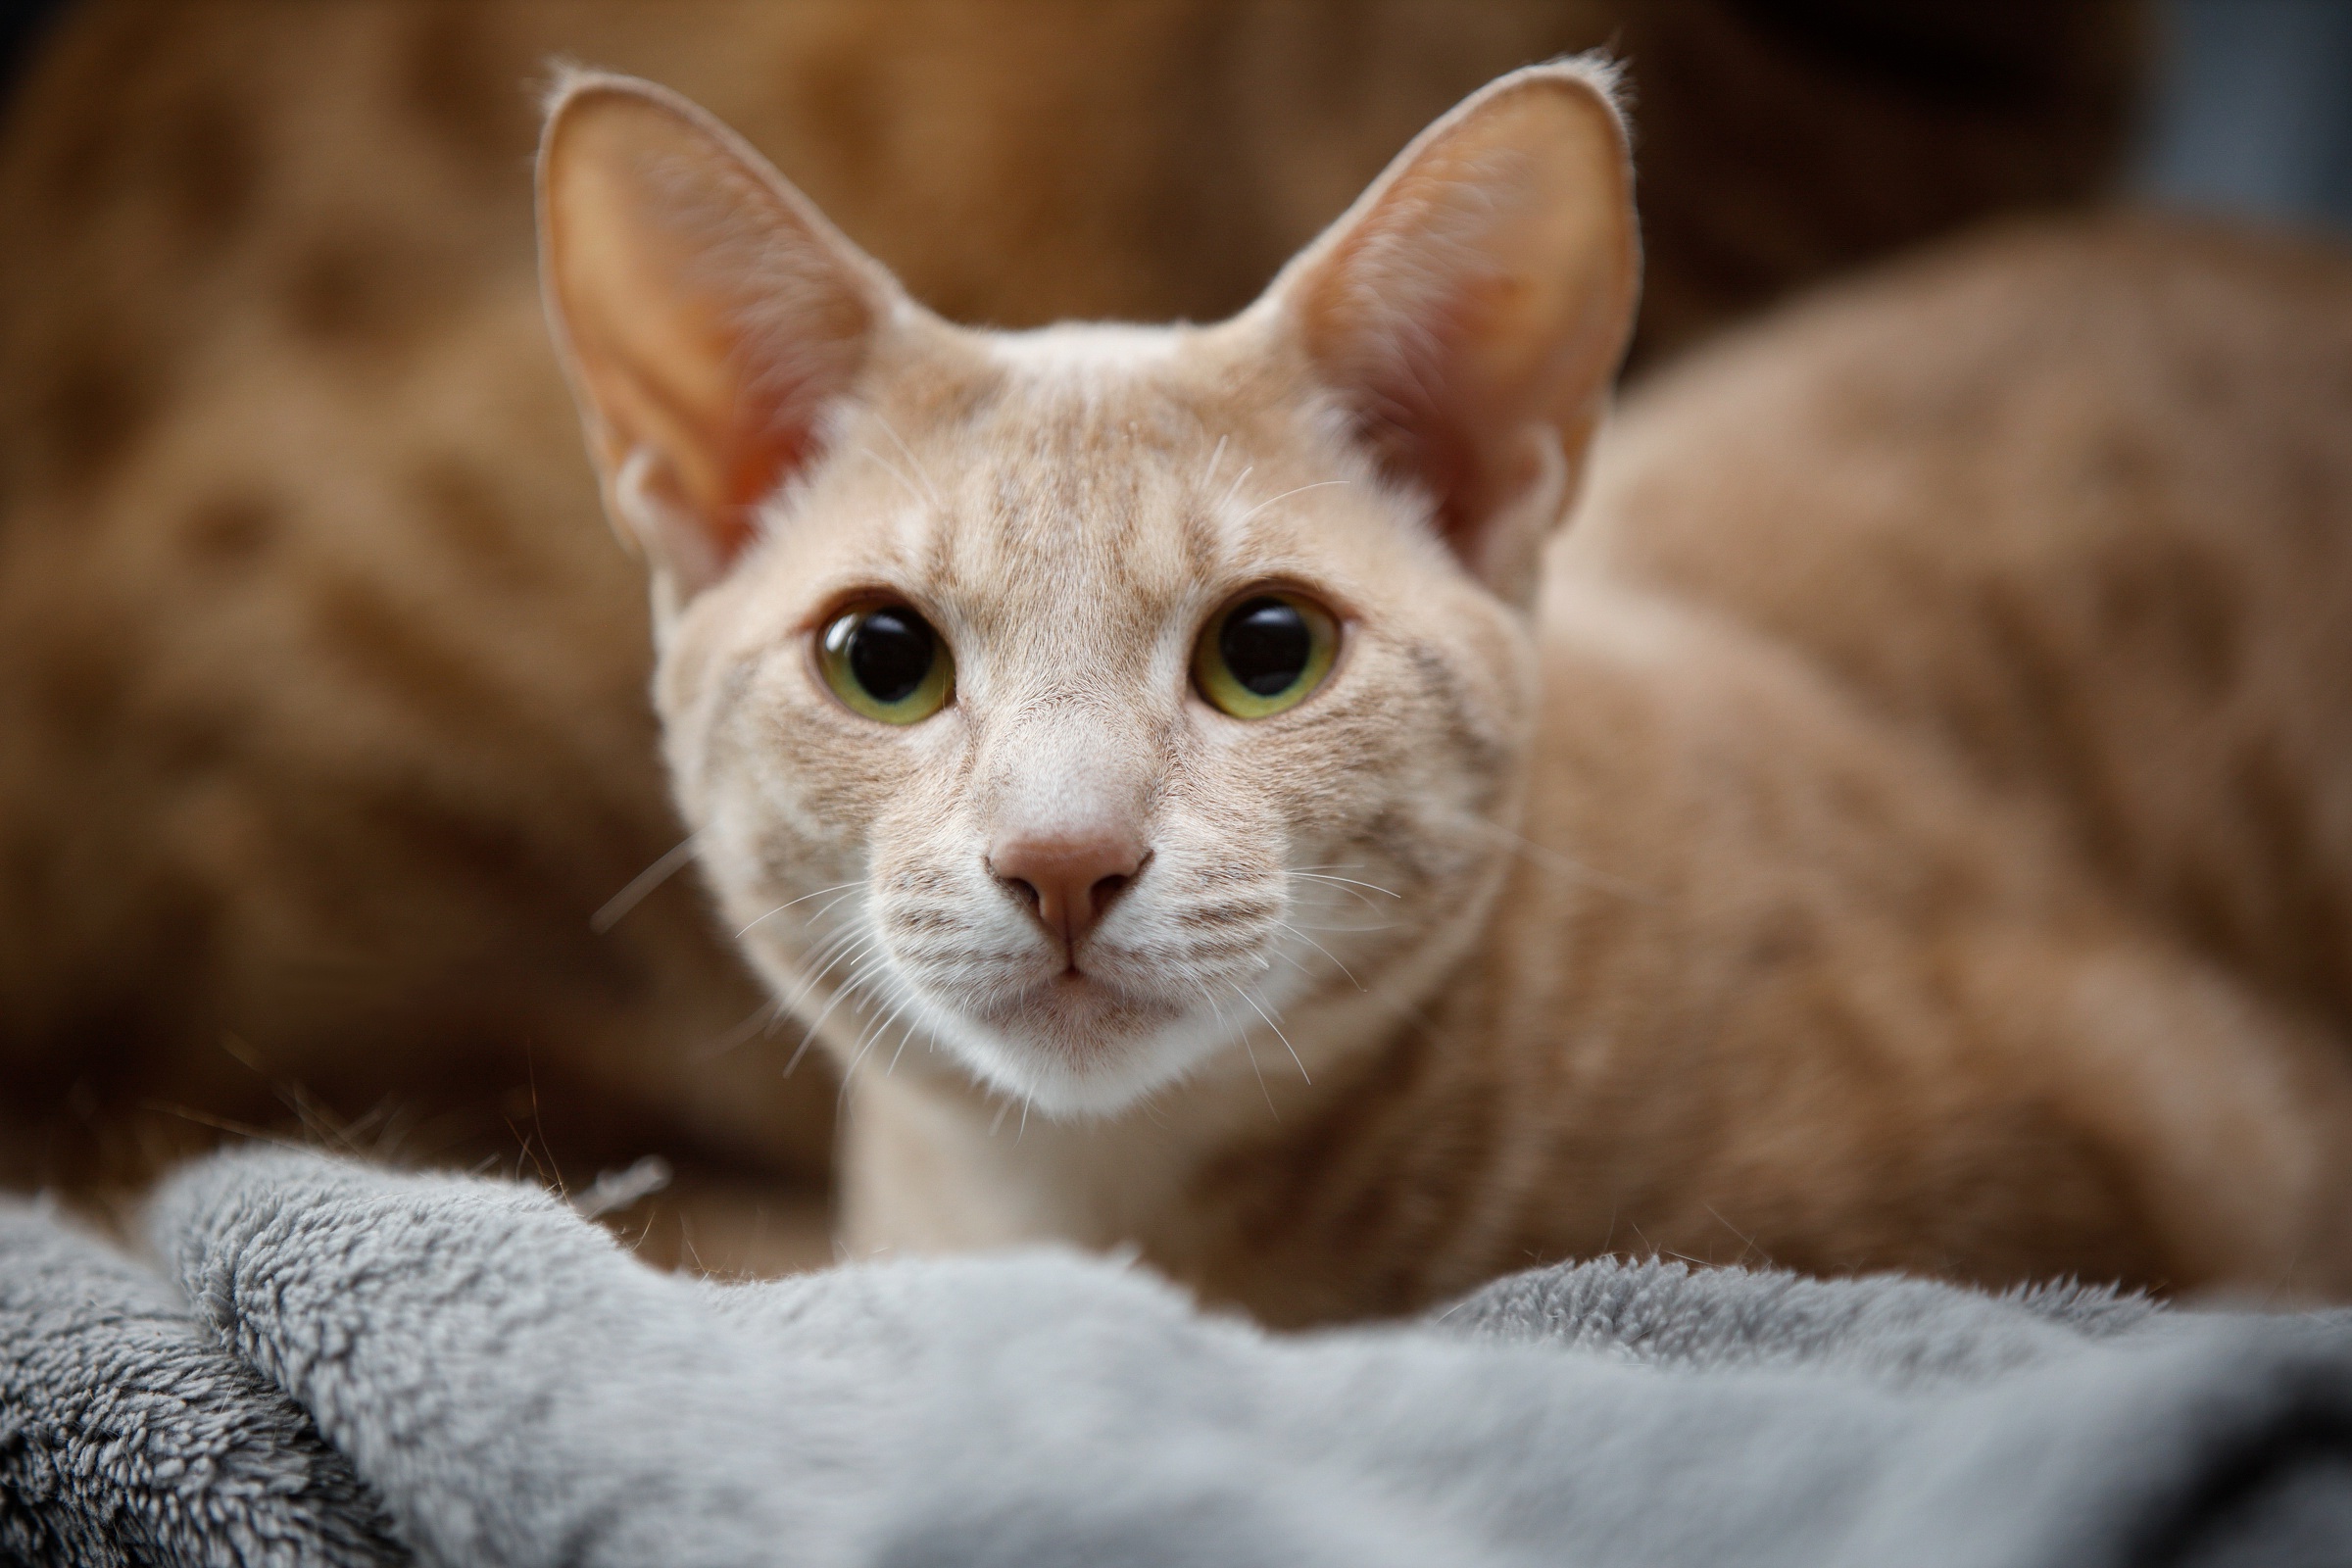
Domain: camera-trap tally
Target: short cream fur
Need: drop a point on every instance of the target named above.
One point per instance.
(1372, 1019)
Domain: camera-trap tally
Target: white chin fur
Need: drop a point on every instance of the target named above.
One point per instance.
(1108, 1081)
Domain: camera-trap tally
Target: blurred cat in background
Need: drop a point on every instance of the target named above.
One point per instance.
(1906, 824)
(325, 711)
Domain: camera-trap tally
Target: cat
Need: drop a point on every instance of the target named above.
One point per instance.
(326, 741)
(1201, 801)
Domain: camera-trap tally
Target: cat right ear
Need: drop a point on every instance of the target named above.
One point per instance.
(707, 313)
(1469, 310)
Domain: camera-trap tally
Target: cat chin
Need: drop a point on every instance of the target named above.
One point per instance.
(1077, 1070)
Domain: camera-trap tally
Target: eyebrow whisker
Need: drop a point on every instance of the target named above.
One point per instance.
(1319, 485)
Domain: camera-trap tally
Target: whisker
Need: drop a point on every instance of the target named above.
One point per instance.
(1214, 457)
(892, 469)
(827, 907)
(1243, 1036)
(802, 995)
(642, 883)
(1319, 485)
(903, 1038)
(1320, 948)
(809, 1035)
(758, 1020)
(789, 903)
(1278, 1034)
(871, 1035)
(1234, 488)
(912, 461)
(1362, 892)
(865, 1038)
(832, 944)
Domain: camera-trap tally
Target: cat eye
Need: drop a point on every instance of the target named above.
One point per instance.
(1264, 653)
(885, 661)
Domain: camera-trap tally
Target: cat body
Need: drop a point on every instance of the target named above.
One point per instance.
(1547, 902)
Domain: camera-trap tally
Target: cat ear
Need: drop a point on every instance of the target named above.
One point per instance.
(707, 314)
(1470, 310)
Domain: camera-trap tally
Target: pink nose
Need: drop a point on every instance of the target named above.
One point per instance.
(1069, 881)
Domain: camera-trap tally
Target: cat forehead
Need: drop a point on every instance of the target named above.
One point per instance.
(1127, 458)
(1085, 351)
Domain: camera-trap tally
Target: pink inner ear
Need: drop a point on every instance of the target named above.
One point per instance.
(1407, 351)
(1470, 310)
(712, 313)
(1421, 416)
(772, 445)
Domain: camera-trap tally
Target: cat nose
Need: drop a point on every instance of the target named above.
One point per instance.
(1069, 879)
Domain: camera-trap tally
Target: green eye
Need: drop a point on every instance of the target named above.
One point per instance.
(1264, 653)
(886, 663)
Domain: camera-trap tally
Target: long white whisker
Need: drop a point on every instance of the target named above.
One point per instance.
(1321, 876)
(1319, 485)
(1234, 488)
(849, 985)
(643, 884)
(1243, 1036)
(912, 461)
(1320, 948)
(759, 1021)
(802, 995)
(908, 1035)
(1278, 1034)
(789, 903)
(831, 904)
(865, 1038)
(892, 469)
(825, 952)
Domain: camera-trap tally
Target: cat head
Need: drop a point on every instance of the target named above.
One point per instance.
(1072, 705)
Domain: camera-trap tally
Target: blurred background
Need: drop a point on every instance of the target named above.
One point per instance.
(330, 801)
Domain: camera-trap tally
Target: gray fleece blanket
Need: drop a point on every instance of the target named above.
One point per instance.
(332, 1364)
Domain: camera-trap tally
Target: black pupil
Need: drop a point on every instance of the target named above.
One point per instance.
(1266, 644)
(890, 652)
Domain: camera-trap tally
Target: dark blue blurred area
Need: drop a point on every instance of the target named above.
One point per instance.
(2253, 111)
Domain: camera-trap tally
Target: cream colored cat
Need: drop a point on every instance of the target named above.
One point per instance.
(1163, 767)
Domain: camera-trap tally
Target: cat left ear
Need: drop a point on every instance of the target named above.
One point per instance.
(707, 313)
(1470, 310)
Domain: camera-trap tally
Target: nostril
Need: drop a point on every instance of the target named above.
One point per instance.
(1067, 883)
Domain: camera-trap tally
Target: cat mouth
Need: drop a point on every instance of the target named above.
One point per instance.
(1078, 1012)
(1075, 1044)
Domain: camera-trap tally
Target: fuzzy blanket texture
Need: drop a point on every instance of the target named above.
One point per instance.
(333, 1364)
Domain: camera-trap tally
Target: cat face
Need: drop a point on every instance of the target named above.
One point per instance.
(1069, 707)
(1079, 875)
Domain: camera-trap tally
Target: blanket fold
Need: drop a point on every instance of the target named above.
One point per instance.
(128, 1436)
(337, 1364)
